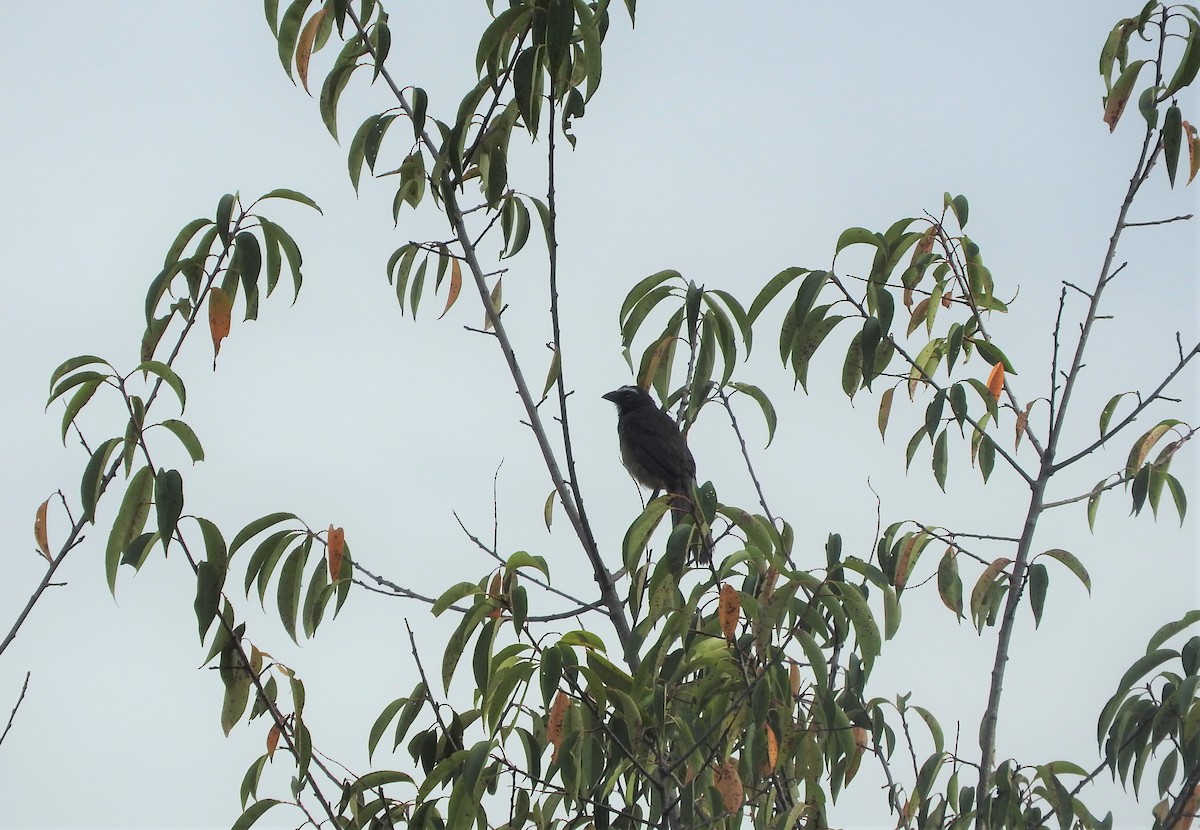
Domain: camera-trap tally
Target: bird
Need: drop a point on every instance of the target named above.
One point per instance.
(656, 454)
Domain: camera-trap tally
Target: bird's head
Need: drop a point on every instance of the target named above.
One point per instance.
(629, 398)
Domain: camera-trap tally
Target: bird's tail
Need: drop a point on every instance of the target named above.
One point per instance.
(701, 547)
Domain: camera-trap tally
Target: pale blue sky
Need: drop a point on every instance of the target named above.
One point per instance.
(728, 142)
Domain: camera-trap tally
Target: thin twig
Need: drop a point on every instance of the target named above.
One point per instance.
(16, 706)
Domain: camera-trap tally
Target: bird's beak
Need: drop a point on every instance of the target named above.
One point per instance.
(610, 396)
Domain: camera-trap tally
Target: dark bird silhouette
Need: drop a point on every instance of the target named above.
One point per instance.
(655, 453)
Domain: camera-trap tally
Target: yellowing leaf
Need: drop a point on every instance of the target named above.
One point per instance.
(220, 312)
(995, 382)
(1115, 103)
(272, 740)
(39, 530)
(729, 611)
(662, 348)
(794, 678)
(335, 546)
(772, 748)
(494, 592)
(455, 285)
(304, 46)
(729, 785)
(554, 724)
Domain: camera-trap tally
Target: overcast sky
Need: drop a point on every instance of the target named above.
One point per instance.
(725, 143)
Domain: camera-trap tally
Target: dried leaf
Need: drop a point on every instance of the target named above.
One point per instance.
(494, 589)
(304, 46)
(729, 785)
(1022, 422)
(335, 546)
(273, 740)
(995, 381)
(768, 585)
(1193, 145)
(794, 677)
(39, 530)
(220, 312)
(554, 724)
(455, 285)
(729, 611)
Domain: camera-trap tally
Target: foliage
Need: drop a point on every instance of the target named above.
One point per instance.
(733, 692)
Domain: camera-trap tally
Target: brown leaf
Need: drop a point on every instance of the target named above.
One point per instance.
(729, 611)
(995, 381)
(1193, 145)
(768, 585)
(794, 677)
(273, 740)
(1022, 422)
(924, 244)
(554, 724)
(220, 312)
(947, 300)
(304, 45)
(39, 530)
(455, 285)
(729, 785)
(335, 546)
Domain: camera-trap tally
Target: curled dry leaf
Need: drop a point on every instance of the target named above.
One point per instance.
(794, 677)
(995, 381)
(729, 785)
(729, 611)
(335, 546)
(1022, 422)
(40, 534)
(554, 724)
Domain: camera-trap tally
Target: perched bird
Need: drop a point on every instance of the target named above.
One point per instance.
(655, 453)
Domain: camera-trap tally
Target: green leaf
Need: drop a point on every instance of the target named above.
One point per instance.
(1169, 630)
(289, 33)
(291, 580)
(764, 403)
(1172, 139)
(1039, 582)
(131, 518)
(209, 580)
(941, 460)
(866, 632)
(452, 595)
(950, 583)
(167, 374)
(168, 503)
(256, 527)
(184, 236)
(768, 292)
(638, 534)
(224, 219)
(523, 559)
(70, 366)
(186, 437)
(93, 475)
(293, 196)
(1107, 413)
(1073, 565)
(856, 236)
(253, 813)
(1189, 62)
(78, 401)
(991, 353)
